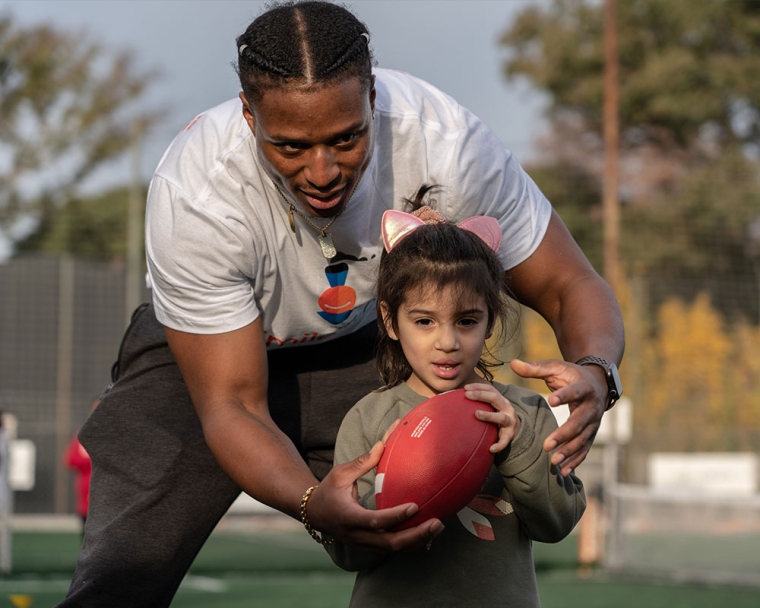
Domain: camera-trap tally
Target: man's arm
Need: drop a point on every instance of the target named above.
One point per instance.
(559, 283)
(226, 375)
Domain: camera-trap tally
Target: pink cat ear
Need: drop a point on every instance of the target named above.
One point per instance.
(487, 228)
(396, 225)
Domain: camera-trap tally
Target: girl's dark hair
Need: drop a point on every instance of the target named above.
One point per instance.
(302, 43)
(439, 255)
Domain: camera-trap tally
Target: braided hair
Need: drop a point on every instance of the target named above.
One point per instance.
(303, 43)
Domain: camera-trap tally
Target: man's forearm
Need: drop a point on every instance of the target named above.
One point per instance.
(589, 322)
(259, 458)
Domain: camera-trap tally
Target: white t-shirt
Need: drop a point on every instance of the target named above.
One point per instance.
(220, 249)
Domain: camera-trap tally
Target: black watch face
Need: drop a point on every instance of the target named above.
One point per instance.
(613, 379)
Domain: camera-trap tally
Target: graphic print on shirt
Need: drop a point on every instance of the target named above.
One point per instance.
(472, 516)
(338, 300)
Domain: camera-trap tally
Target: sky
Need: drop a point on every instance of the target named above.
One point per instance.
(452, 44)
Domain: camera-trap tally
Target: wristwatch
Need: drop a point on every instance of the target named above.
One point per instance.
(614, 386)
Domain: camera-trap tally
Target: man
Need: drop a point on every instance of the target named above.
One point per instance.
(263, 238)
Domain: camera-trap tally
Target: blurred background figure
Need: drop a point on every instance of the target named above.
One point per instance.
(78, 460)
(6, 500)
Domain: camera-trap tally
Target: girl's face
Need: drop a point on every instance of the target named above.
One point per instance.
(315, 142)
(442, 335)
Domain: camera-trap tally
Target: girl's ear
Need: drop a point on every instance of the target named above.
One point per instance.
(387, 321)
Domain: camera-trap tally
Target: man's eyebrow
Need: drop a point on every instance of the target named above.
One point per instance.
(285, 139)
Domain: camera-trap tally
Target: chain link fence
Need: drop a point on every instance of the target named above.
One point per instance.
(61, 322)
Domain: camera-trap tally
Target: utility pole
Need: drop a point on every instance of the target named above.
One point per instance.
(610, 203)
(611, 215)
(600, 518)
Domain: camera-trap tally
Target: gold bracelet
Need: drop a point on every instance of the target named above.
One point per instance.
(305, 519)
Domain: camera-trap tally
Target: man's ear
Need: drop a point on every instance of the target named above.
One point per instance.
(387, 321)
(247, 113)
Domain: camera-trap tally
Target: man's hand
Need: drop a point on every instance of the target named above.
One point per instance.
(559, 283)
(334, 509)
(585, 391)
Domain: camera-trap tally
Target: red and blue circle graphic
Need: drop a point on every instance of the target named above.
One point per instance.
(339, 299)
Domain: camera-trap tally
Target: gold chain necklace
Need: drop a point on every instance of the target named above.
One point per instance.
(325, 238)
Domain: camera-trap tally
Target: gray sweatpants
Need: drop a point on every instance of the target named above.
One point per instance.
(157, 492)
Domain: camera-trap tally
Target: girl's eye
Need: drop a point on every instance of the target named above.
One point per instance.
(424, 322)
(468, 322)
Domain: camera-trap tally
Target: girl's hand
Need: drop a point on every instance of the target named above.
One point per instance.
(504, 417)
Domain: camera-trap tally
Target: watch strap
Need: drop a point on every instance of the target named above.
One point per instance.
(591, 360)
(613, 392)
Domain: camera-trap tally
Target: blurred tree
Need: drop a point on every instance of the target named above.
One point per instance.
(67, 108)
(691, 355)
(90, 227)
(702, 382)
(695, 238)
(689, 71)
(690, 134)
(576, 195)
(743, 400)
(695, 384)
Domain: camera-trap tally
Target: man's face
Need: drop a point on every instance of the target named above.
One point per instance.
(315, 143)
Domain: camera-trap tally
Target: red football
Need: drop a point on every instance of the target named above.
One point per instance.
(437, 457)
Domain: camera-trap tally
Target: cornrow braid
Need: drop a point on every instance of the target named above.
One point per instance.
(358, 46)
(262, 63)
(302, 43)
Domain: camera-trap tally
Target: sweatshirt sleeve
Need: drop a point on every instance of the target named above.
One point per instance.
(354, 439)
(548, 504)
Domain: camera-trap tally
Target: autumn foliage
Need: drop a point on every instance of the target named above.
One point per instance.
(694, 379)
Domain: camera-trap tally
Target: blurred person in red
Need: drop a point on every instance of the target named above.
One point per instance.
(78, 460)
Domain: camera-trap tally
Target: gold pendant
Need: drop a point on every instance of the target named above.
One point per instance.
(291, 219)
(327, 245)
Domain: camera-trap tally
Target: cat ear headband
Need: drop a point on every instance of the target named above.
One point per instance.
(397, 225)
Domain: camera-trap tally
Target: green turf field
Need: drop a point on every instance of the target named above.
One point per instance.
(277, 569)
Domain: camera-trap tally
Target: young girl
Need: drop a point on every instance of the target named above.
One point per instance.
(441, 290)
